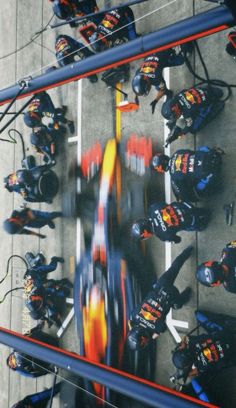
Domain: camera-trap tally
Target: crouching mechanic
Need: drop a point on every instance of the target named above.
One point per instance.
(68, 9)
(45, 298)
(194, 174)
(19, 221)
(29, 366)
(148, 319)
(165, 220)
(45, 143)
(191, 109)
(213, 273)
(116, 28)
(150, 74)
(68, 50)
(208, 352)
(38, 272)
(39, 399)
(42, 108)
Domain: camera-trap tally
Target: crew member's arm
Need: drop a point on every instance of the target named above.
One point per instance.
(161, 90)
(184, 124)
(180, 189)
(181, 259)
(26, 231)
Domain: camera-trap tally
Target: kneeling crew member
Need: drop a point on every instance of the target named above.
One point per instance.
(148, 320)
(205, 353)
(194, 174)
(42, 107)
(116, 28)
(150, 74)
(191, 109)
(165, 221)
(68, 50)
(213, 273)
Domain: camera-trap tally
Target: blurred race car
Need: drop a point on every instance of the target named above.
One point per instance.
(107, 287)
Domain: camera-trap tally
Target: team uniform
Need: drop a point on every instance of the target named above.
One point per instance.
(228, 258)
(168, 220)
(152, 67)
(194, 172)
(152, 312)
(117, 25)
(191, 109)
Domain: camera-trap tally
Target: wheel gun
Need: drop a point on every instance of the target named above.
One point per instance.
(175, 132)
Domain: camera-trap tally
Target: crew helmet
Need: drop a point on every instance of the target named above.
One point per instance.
(11, 227)
(167, 111)
(160, 162)
(32, 119)
(142, 229)
(62, 10)
(98, 42)
(210, 273)
(182, 358)
(141, 85)
(138, 338)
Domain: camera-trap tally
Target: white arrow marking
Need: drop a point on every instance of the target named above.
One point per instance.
(170, 322)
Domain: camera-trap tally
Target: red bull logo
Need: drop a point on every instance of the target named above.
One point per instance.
(148, 70)
(166, 217)
(108, 24)
(178, 162)
(169, 216)
(189, 97)
(148, 315)
(181, 163)
(61, 45)
(207, 354)
(13, 179)
(33, 105)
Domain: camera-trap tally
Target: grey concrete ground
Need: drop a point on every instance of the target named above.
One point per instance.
(18, 22)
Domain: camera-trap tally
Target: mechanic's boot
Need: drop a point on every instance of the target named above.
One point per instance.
(169, 94)
(51, 224)
(185, 296)
(61, 111)
(57, 259)
(71, 126)
(66, 283)
(64, 109)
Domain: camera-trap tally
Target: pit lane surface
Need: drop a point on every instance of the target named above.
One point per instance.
(20, 20)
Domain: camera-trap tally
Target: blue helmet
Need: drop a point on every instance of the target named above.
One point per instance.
(142, 229)
(32, 119)
(11, 227)
(167, 111)
(141, 85)
(182, 358)
(98, 42)
(62, 10)
(210, 273)
(138, 338)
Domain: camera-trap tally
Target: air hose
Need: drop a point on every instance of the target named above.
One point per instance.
(7, 272)
(210, 82)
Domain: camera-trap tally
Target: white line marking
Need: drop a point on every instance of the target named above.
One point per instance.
(79, 151)
(73, 139)
(66, 322)
(170, 322)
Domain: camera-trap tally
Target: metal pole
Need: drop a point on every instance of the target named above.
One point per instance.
(16, 114)
(119, 381)
(192, 28)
